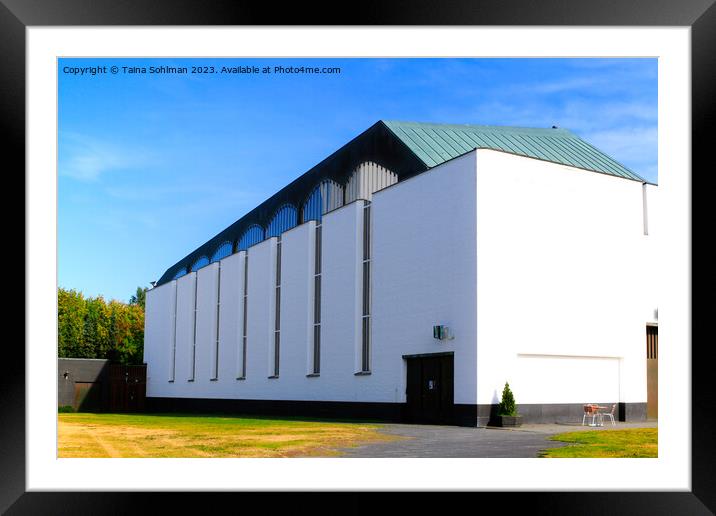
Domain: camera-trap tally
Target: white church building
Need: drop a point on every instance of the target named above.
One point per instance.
(410, 274)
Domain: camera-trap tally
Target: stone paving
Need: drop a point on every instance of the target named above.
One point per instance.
(491, 442)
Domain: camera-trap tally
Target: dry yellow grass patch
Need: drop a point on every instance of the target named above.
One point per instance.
(154, 436)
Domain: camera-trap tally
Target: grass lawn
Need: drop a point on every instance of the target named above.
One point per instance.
(630, 442)
(172, 435)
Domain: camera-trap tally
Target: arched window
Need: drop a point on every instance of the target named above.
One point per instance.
(222, 251)
(367, 178)
(284, 219)
(251, 236)
(325, 197)
(181, 272)
(201, 262)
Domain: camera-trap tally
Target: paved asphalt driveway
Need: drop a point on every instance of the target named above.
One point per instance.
(453, 441)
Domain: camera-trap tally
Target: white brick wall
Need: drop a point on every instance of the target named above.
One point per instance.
(424, 274)
(185, 329)
(206, 323)
(530, 264)
(560, 267)
(296, 302)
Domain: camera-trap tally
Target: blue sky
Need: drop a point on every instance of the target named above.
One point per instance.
(150, 166)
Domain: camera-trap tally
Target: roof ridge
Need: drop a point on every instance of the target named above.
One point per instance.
(500, 128)
(432, 142)
(422, 145)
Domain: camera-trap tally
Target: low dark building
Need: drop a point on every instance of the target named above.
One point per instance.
(83, 383)
(95, 385)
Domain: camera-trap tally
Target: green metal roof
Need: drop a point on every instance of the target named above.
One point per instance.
(438, 143)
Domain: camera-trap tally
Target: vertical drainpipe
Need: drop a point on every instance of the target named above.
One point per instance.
(643, 199)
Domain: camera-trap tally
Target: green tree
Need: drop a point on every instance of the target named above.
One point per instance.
(97, 327)
(139, 298)
(71, 310)
(127, 333)
(507, 405)
(92, 328)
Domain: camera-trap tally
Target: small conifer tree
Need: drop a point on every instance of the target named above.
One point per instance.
(507, 405)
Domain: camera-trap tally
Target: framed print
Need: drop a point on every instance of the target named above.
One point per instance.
(40, 40)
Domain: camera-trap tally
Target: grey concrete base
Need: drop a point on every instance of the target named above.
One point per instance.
(560, 412)
(632, 412)
(279, 408)
(479, 416)
(482, 421)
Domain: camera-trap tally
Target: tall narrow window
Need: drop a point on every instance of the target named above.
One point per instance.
(173, 353)
(365, 330)
(253, 235)
(317, 303)
(277, 322)
(215, 365)
(325, 197)
(193, 343)
(242, 373)
(199, 263)
(367, 178)
(283, 220)
(222, 251)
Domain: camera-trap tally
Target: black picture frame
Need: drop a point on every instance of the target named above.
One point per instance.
(699, 15)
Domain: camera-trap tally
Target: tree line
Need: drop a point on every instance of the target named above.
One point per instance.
(90, 327)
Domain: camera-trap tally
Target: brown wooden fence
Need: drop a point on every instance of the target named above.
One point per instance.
(127, 388)
(652, 372)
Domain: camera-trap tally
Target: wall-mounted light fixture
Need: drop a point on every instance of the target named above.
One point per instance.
(442, 333)
(66, 375)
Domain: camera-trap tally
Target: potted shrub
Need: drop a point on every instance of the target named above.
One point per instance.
(507, 410)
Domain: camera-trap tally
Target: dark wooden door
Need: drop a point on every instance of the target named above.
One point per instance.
(127, 387)
(429, 392)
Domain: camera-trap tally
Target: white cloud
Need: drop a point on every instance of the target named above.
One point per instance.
(86, 158)
(577, 83)
(631, 144)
